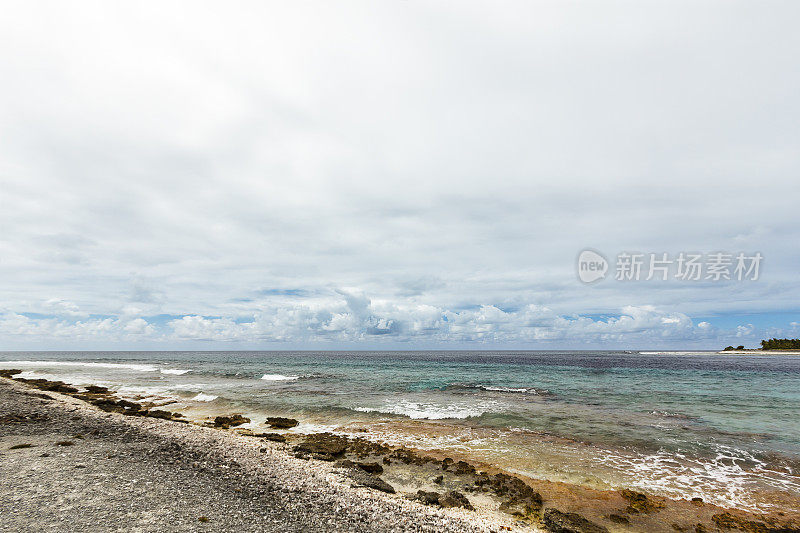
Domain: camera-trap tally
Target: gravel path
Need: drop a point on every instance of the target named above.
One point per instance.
(139, 474)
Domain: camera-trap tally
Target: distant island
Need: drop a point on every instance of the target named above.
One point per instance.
(771, 344)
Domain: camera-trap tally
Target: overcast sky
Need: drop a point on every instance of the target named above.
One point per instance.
(395, 174)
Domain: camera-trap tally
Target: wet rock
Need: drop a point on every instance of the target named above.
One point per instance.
(371, 468)
(128, 405)
(362, 479)
(463, 468)
(8, 372)
(279, 422)
(618, 519)
(156, 413)
(409, 457)
(326, 446)
(428, 498)
(21, 446)
(438, 480)
(96, 389)
(116, 406)
(728, 520)
(274, 437)
(228, 421)
(455, 499)
(65, 443)
(364, 448)
(105, 404)
(53, 386)
(558, 522)
(446, 462)
(640, 503)
(519, 497)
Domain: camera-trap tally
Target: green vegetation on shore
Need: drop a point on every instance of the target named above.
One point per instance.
(771, 344)
(781, 344)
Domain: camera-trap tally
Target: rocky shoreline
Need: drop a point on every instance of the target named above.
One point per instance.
(238, 479)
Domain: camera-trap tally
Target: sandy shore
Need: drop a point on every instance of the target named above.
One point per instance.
(87, 461)
(123, 473)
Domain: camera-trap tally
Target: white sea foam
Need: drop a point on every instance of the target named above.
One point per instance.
(278, 377)
(201, 397)
(174, 371)
(722, 480)
(110, 366)
(677, 353)
(508, 389)
(429, 411)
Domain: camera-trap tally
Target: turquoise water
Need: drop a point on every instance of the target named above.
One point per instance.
(725, 427)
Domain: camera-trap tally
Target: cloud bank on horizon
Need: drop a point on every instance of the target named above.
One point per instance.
(394, 174)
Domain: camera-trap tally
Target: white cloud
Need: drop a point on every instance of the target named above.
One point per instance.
(449, 161)
(385, 324)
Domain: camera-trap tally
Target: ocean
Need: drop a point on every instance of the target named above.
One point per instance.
(725, 428)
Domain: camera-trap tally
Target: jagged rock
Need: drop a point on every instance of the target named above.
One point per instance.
(326, 446)
(519, 497)
(229, 421)
(364, 448)
(618, 519)
(640, 503)
(128, 405)
(156, 413)
(115, 406)
(429, 498)
(455, 499)
(410, 457)
(274, 437)
(372, 468)
(96, 389)
(463, 468)
(46, 384)
(279, 422)
(558, 522)
(8, 372)
(728, 520)
(362, 479)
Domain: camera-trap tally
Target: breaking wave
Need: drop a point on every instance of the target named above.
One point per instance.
(278, 377)
(430, 411)
(201, 397)
(112, 366)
